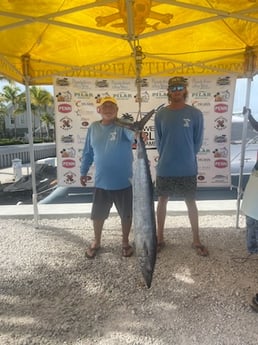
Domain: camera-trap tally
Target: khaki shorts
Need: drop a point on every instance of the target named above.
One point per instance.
(182, 186)
(103, 200)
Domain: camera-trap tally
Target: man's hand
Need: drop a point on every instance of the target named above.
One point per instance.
(83, 180)
(253, 122)
(144, 137)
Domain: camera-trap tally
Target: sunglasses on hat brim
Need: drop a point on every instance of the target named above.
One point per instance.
(174, 88)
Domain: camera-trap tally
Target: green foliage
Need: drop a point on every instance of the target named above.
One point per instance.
(19, 141)
(13, 104)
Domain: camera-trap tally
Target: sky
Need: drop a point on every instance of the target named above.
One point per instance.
(240, 96)
(239, 99)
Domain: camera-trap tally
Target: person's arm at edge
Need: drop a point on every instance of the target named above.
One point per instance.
(253, 122)
(198, 134)
(157, 131)
(87, 159)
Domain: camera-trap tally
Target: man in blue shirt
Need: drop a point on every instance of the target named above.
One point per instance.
(178, 134)
(109, 146)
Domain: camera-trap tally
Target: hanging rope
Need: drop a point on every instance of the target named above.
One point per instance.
(138, 56)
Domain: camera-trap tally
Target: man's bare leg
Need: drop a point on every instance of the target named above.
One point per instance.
(127, 250)
(194, 221)
(95, 245)
(161, 217)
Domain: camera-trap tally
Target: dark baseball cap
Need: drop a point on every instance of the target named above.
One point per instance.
(177, 81)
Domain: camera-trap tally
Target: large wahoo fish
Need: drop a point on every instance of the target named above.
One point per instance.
(143, 204)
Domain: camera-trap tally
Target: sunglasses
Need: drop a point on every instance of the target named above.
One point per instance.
(176, 88)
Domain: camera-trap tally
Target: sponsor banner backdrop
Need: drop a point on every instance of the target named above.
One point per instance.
(76, 100)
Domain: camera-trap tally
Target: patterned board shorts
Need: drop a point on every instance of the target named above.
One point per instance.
(181, 186)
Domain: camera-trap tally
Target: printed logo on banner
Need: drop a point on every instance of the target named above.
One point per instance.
(144, 82)
(64, 96)
(69, 178)
(80, 151)
(220, 123)
(66, 123)
(149, 132)
(220, 152)
(84, 107)
(82, 84)
(220, 178)
(221, 108)
(67, 138)
(202, 159)
(202, 84)
(68, 152)
(64, 108)
(204, 150)
(204, 167)
(201, 178)
(84, 123)
(222, 96)
(79, 104)
(127, 117)
(160, 94)
(201, 94)
(201, 104)
(220, 138)
(145, 97)
(121, 84)
(99, 96)
(68, 163)
(102, 83)
(62, 81)
(83, 95)
(159, 84)
(223, 81)
(122, 96)
(221, 163)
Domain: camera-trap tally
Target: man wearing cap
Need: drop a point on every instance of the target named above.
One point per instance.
(179, 133)
(110, 148)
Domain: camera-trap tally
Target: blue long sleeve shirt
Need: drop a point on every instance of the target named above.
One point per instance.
(110, 148)
(178, 135)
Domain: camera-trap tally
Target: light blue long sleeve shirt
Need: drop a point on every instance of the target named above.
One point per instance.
(110, 148)
(178, 135)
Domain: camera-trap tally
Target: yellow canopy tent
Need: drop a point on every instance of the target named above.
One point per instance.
(126, 38)
(85, 38)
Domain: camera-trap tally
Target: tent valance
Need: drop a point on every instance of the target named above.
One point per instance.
(85, 38)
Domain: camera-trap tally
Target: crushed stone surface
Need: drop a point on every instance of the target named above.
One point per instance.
(51, 294)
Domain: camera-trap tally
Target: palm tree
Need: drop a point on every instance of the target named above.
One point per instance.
(48, 119)
(11, 95)
(22, 108)
(3, 114)
(41, 100)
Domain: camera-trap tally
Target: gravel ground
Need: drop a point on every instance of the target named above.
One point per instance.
(51, 294)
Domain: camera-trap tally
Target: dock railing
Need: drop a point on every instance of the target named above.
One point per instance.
(11, 152)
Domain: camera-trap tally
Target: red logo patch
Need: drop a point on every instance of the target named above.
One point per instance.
(221, 108)
(64, 108)
(68, 163)
(220, 163)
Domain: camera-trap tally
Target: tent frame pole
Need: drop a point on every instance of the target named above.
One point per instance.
(25, 60)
